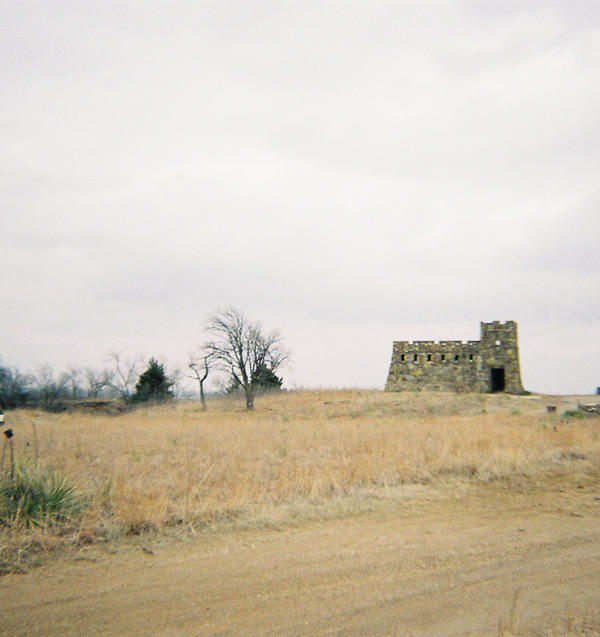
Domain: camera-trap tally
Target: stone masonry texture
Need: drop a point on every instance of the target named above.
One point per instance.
(488, 365)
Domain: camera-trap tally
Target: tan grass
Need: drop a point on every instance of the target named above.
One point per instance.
(176, 463)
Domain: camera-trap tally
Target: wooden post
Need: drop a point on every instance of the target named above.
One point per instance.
(9, 434)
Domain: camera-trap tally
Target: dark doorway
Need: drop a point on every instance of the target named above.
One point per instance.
(498, 382)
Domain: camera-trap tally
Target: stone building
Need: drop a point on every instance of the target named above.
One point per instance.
(488, 365)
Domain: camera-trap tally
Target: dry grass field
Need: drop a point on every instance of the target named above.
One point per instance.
(311, 453)
(321, 512)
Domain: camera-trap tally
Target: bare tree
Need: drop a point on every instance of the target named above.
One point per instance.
(15, 388)
(200, 366)
(175, 377)
(98, 381)
(73, 375)
(241, 348)
(50, 388)
(125, 374)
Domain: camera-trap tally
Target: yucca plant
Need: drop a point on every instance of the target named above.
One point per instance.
(37, 498)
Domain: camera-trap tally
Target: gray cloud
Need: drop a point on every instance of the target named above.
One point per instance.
(568, 243)
(352, 172)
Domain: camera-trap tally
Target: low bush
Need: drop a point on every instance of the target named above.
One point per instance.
(573, 413)
(37, 498)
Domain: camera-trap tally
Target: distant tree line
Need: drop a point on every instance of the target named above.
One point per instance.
(238, 350)
(121, 379)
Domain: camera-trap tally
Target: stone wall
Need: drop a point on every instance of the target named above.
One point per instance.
(491, 364)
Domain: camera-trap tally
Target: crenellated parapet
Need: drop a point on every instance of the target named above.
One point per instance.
(490, 364)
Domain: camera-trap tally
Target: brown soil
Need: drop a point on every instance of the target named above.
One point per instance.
(437, 564)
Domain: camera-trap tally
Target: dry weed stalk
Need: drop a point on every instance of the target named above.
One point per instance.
(513, 622)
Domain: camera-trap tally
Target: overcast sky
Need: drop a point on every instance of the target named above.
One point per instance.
(350, 173)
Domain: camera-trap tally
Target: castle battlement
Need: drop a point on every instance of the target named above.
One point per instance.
(434, 343)
(490, 364)
(499, 323)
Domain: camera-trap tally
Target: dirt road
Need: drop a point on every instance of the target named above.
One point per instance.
(433, 566)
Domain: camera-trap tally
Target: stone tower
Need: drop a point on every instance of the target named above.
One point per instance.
(498, 366)
(488, 365)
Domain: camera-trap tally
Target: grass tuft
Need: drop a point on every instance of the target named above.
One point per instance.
(574, 413)
(37, 498)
